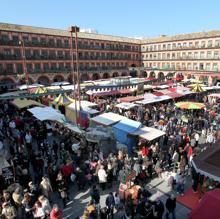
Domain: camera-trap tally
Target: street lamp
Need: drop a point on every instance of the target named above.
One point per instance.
(21, 43)
(75, 29)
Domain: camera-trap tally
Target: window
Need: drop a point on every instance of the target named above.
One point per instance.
(9, 68)
(29, 67)
(183, 66)
(19, 68)
(164, 46)
(34, 39)
(173, 55)
(15, 38)
(209, 55)
(37, 66)
(163, 56)
(217, 43)
(179, 45)
(5, 37)
(17, 53)
(202, 55)
(178, 55)
(169, 46)
(195, 67)
(159, 55)
(210, 43)
(59, 42)
(201, 66)
(189, 55)
(189, 66)
(208, 66)
(168, 55)
(7, 52)
(25, 38)
(215, 66)
(196, 55)
(155, 47)
(216, 55)
(1, 68)
(159, 47)
(197, 44)
(174, 45)
(190, 44)
(184, 44)
(183, 55)
(203, 44)
(46, 66)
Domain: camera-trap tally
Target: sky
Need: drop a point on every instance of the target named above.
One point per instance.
(130, 18)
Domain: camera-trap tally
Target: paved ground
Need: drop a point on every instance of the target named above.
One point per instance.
(157, 186)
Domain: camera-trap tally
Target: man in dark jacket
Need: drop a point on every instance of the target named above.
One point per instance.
(158, 209)
(110, 203)
(171, 206)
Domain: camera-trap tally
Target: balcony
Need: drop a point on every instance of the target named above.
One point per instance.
(9, 57)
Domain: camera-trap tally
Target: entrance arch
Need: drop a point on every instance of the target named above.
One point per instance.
(7, 83)
(152, 74)
(161, 76)
(106, 75)
(95, 76)
(133, 73)
(84, 77)
(43, 80)
(133, 66)
(144, 74)
(58, 78)
(124, 73)
(115, 74)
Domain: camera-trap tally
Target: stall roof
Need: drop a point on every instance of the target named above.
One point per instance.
(157, 93)
(46, 113)
(107, 118)
(149, 133)
(84, 104)
(164, 86)
(127, 125)
(149, 96)
(107, 93)
(174, 95)
(90, 110)
(125, 91)
(130, 99)
(19, 103)
(154, 100)
(126, 106)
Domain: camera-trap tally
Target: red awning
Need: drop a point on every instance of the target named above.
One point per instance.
(130, 99)
(172, 89)
(125, 91)
(208, 207)
(107, 93)
(157, 93)
(151, 78)
(174, 95)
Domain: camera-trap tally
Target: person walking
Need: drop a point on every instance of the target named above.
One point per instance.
(110, 204)
(102, 175)
(171, 206)
(158, 209)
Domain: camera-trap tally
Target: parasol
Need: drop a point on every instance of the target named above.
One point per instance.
(189, 105)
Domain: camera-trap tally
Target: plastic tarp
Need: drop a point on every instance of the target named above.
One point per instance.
(107, 93)
(208, 207)
(154, 100)
(46, 113)
(148, 133)
(122, 129)
(25, 103)
(126, 106)
(107, 119)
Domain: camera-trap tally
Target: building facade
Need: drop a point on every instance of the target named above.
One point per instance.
(46, 54)
(194, 55)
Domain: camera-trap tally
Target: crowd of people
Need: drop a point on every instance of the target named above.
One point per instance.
(46, 165)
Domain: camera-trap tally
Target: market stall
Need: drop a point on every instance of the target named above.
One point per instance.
(106, 119)
(207, 163)
(130, 99)
(148, 133)
(122, 130)
(24, 103)
(46, 113)
(126, 106)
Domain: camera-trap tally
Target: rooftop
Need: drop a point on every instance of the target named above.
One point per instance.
(57, 32)
(190, 36)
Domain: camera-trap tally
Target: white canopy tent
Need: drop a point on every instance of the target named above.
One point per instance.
(107, 119)
(149, 133)
(126, 106)
(46, 113)
(153, 100)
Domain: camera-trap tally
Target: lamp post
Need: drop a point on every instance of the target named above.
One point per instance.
(21, 43)
(75, 29)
